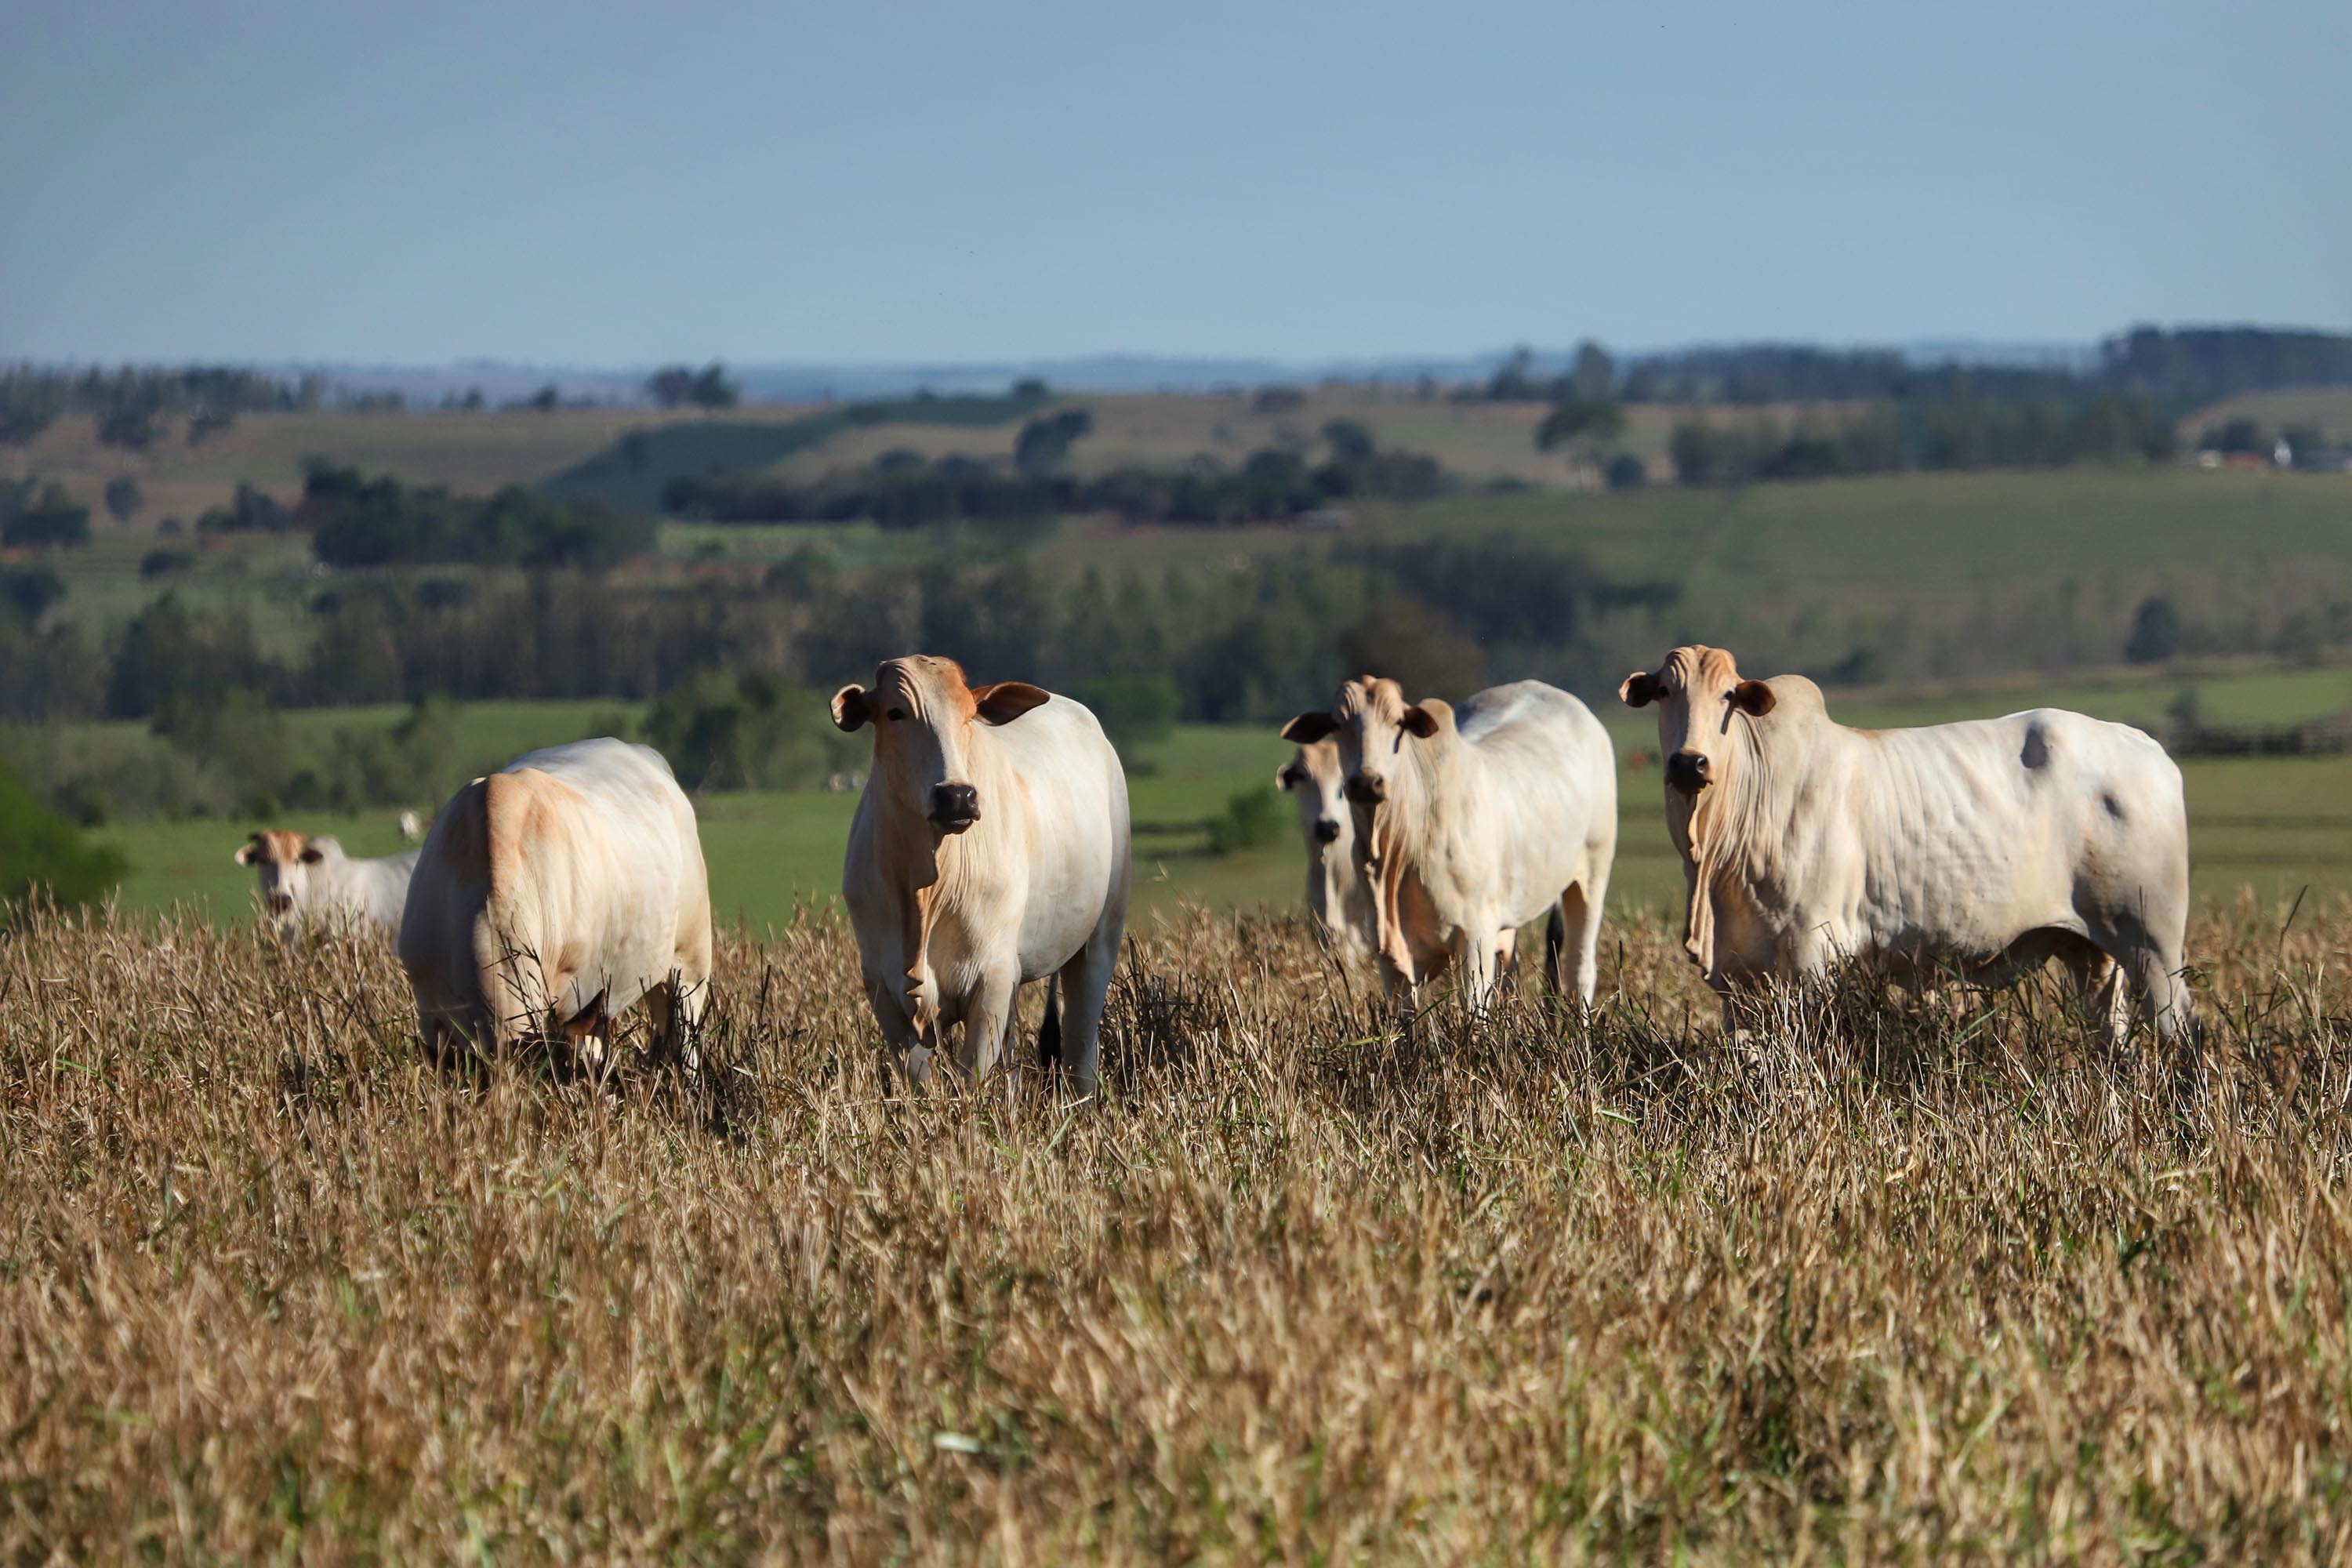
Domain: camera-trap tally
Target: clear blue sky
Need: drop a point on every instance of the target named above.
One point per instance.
(594, 184)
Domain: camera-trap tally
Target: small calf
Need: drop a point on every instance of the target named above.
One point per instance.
(305, 882)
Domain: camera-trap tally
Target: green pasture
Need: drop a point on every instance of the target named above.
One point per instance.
(2275, 826)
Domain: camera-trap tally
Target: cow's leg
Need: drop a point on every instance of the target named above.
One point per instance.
(675, 1009)
(688, 995)
(2099, 987)
(985, 1016)
(902, 1045)
(2161, 995)
(1474, 955)
(1085, 990)
(1580, 913)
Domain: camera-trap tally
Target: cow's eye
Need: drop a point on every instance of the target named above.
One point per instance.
(896, 713)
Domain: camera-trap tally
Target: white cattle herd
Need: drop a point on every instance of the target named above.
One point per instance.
(991, 849)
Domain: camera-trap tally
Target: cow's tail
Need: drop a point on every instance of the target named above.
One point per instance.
(1049, 1033)
(504, 965)
(1555, 943)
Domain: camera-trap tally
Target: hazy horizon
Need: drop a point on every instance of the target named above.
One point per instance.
(599, 186)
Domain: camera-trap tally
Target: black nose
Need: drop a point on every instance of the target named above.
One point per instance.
(1367, 789)
(280, 903)
(1326, 830)
(1687, 771)
(955, 804)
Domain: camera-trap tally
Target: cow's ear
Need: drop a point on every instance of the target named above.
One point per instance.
(1754, 697)
(849, 709)
(1418, 721)
(316, 850)
(247, 852)
(1640, 690)
(1308, 728)
(1286, 777)
(1008, 699)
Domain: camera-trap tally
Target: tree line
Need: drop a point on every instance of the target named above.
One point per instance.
(903, 489)
(2180, 366)
(131, 404)
(1954, 434)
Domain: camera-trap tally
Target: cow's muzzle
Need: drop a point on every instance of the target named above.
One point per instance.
(1326, 830)
(954, 806)
(281, 903)
(1367, 789)
(1687, 771)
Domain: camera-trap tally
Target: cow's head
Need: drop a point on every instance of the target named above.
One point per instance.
(922, 712)
(1370, 724)
(284, 865)
(1314, 779)
(1699, 695)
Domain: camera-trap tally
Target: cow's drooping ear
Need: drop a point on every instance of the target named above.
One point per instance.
(849, 709)
(1753, 697)
(1640, 690)
(1308, 728)
(248, 852)
(1288, 777)
(1008, 699)
(316, 849)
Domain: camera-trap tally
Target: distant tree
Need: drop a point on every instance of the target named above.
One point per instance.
(1251, 818)
(1045, 443)
(672, 385)
(28, 592)
(1626, 472)
(547, 399)
(711, 389)
(2156, 632)
(123, 498)
(1593, 378)
(40, 850)
(1514, 380)
(163, 563)
(208, 423)
(1350, 440)
(472, 401)
(1405, 639)
(725, 732)
(49, 516)
(1136, 710)
(1031, 389)
(132, 427)
(1277, 400)
(250, 511)
(2237, 436)
(1585, 429)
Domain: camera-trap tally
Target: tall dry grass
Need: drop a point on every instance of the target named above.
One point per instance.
(1915, 1277)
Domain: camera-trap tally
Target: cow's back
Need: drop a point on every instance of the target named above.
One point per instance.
(584, 856)
(601, 847)
(1959, 837)
(1078, 794)
(1542, 752)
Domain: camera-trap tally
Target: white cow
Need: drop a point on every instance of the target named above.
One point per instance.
(1470, 823)
(307, 882)
(989, 849)
(1337, 889)
(554, 893)
(1988, 846)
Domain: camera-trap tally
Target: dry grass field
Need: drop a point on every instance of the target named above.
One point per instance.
(1893, 1278)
